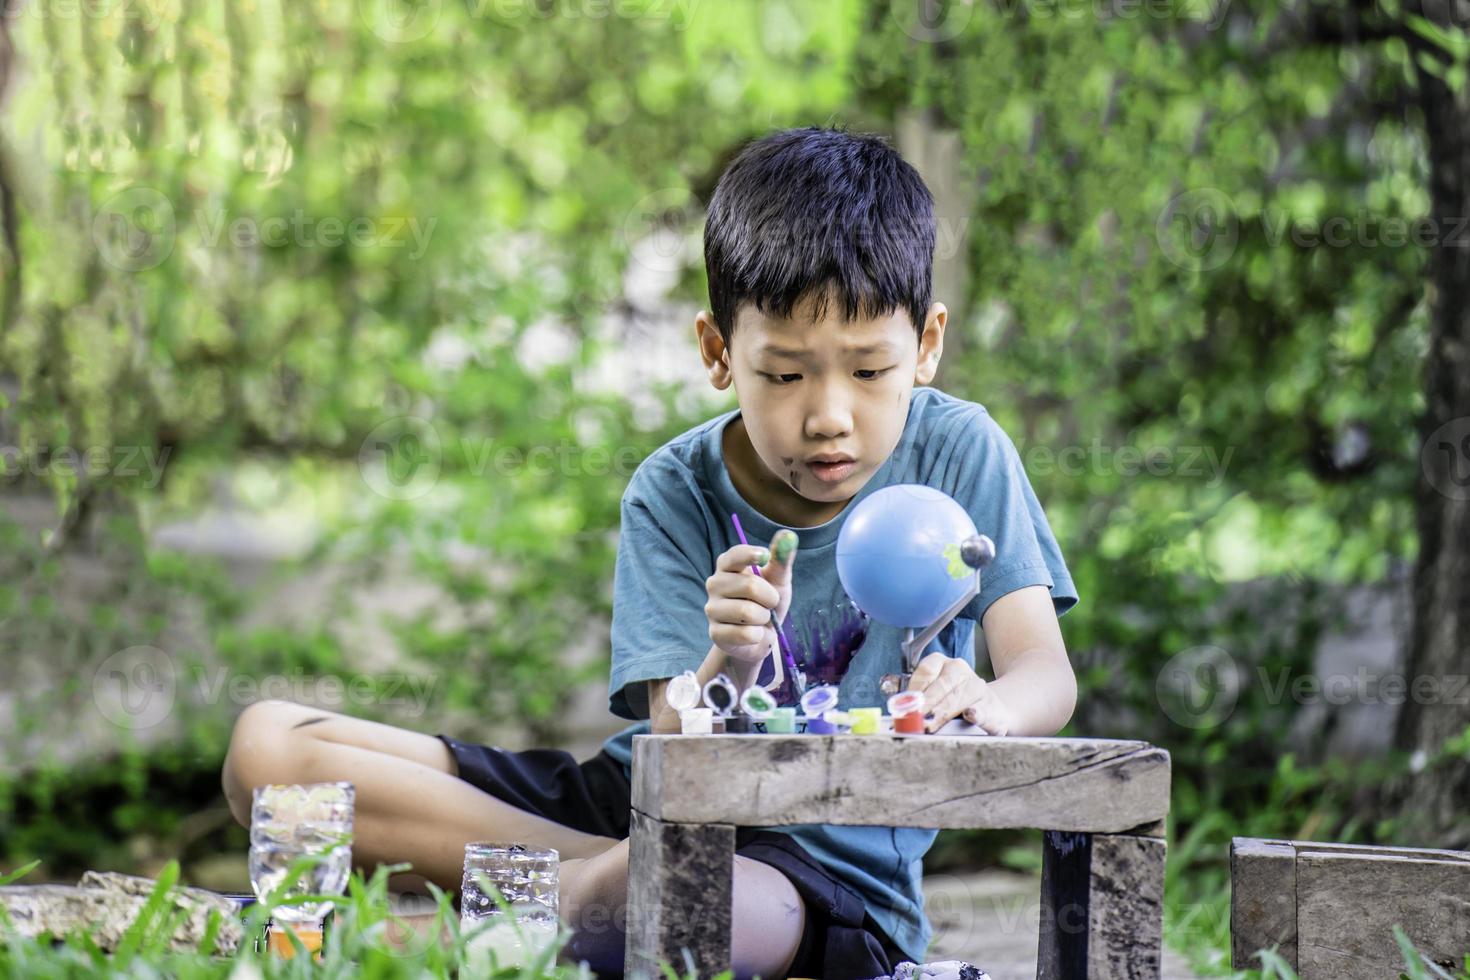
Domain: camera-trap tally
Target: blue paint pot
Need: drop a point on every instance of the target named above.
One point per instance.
(819, 725)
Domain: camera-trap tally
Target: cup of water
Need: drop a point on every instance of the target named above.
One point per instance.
(288, 822)
(525, 878)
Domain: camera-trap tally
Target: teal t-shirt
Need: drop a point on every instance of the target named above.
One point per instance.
(676, 521)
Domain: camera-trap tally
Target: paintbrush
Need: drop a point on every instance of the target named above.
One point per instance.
(780, 627)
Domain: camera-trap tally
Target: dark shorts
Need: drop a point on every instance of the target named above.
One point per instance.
(840, 940)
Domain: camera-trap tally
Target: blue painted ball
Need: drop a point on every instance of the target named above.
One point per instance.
(899, 554)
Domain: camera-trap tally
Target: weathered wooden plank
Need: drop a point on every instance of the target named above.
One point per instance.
(1089, 785)
(1374, 850)
(1102, 907)
(1347, 905)
(1125, 930)
(680, 886)
(1262, 900)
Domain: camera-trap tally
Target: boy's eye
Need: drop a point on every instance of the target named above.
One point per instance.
(866, 374)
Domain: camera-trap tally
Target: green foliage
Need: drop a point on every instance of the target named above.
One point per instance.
(1150, 274)
(1275, 967)
(202, 305)
(363, 938)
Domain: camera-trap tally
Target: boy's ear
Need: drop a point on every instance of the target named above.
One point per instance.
(712, 350)
(931, 344)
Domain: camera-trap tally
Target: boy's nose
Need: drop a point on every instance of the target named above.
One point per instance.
(828, 419)
(828, 427)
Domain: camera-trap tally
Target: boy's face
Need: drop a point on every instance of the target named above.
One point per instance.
(813, 388)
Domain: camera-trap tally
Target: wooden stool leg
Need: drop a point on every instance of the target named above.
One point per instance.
(1102, 907)
(680, 881)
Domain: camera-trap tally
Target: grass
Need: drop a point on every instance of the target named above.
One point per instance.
(1416, 967)
(367, 940)
(364, 940)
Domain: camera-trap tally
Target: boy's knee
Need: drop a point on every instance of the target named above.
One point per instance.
(263, 750)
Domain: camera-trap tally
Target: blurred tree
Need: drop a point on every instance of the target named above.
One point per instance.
(360, 247)
(1193, 236)
(356, 252)
(1438, 728)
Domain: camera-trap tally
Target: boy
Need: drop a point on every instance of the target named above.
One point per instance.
(818, 247)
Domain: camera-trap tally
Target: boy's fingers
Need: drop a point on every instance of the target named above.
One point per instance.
(737, 612)
(992, 720)
(958, 695)
(742, 585)
(741, 557)
(943, 700)
(926, 671)
(783, 553)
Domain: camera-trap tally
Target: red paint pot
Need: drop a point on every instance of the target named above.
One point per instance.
(907, 709)
(909, 724)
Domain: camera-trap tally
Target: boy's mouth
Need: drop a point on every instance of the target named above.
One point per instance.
(831, 472)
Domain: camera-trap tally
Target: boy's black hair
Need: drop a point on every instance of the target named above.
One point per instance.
(819, 213)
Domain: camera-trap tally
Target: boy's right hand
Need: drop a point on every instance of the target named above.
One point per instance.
(744, 608)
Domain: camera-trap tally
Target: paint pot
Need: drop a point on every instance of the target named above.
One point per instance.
(819, 700)
(696, 721)
(865, 721)
(814, 704)
(758, 703)
(721, 694)
(819, 725)
(782, 721)
(682, 692)
(737, 725)
(907, 709)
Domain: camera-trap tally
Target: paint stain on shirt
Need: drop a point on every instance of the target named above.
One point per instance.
(824, 645)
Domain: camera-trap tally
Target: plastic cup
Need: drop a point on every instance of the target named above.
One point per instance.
(696, 721)
(781, 722)
(907, 709)
(819, 725)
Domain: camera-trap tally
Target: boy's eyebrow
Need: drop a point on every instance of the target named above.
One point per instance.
(881, 347)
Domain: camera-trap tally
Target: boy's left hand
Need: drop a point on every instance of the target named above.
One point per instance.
(951, 689)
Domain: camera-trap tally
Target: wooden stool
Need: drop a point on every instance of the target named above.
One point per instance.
(1330, 908)
(1102, 802)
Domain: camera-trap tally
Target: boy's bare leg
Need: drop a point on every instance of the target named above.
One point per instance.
(766, 914)
(412, 806)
